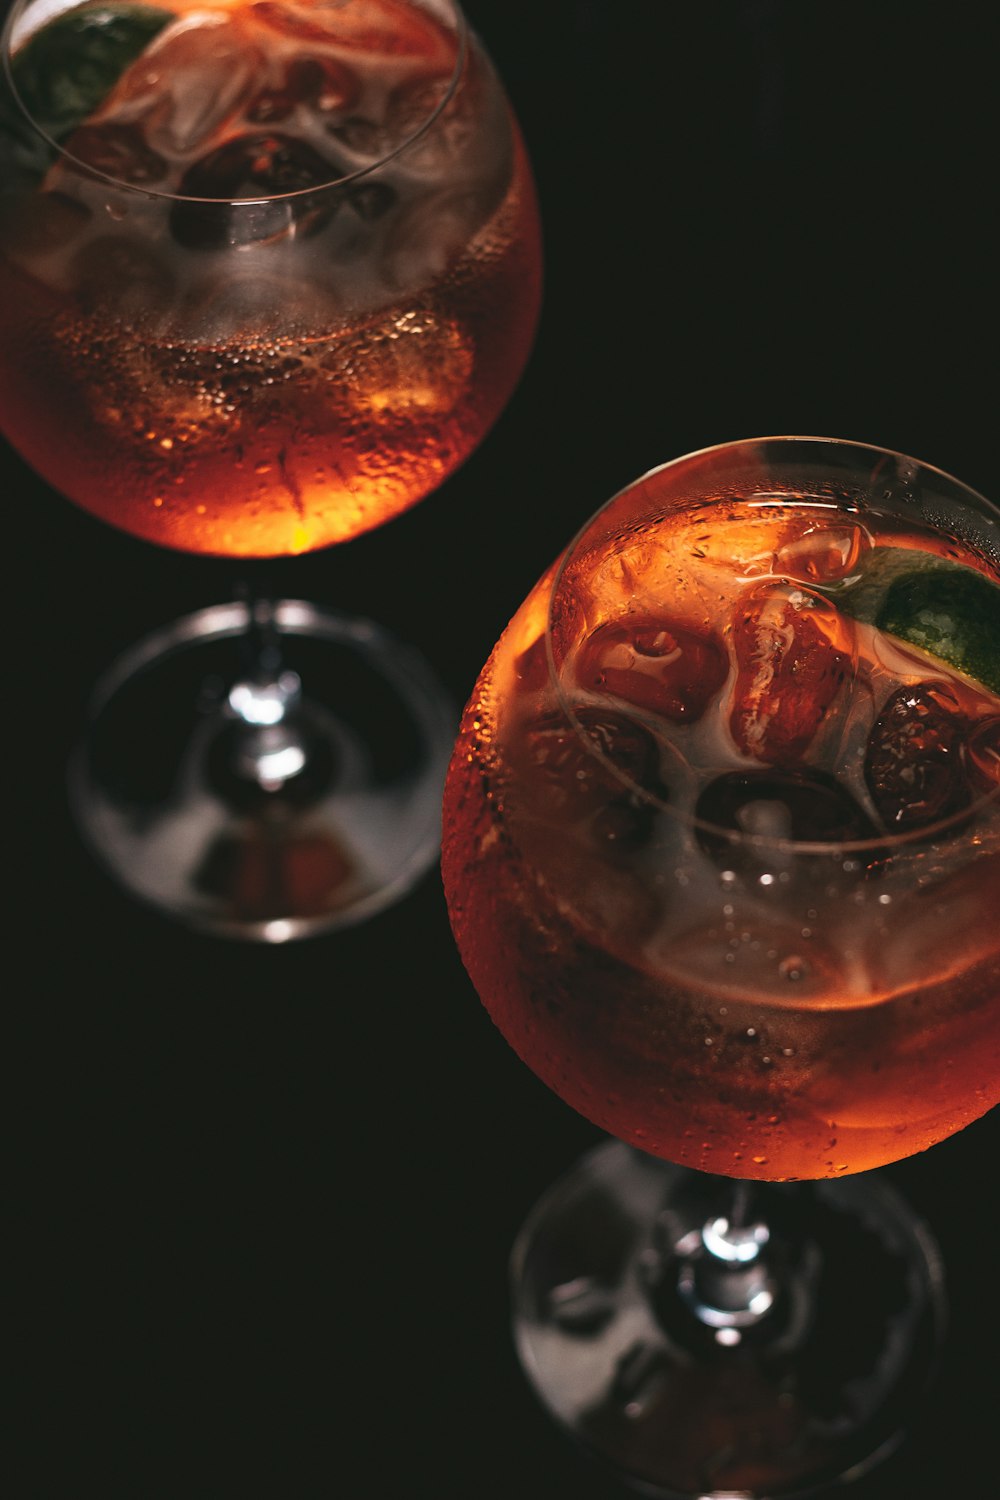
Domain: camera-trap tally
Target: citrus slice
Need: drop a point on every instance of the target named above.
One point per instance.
(948, 611)
(64, 70)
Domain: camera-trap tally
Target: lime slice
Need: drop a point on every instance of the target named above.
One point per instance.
(863, 595)
(949, 611)
(65, 70)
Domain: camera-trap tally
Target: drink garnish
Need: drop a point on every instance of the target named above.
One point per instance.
(65, 70)
(949, 612)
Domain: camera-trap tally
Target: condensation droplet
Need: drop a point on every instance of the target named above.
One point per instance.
(793, 968)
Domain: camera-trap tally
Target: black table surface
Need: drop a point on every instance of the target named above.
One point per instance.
(264, 1197)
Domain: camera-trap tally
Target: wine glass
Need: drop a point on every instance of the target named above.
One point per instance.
(722, 857)
(269, 271)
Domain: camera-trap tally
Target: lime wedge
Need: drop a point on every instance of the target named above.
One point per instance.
(863, 595)
(65, 70)
(949, 611)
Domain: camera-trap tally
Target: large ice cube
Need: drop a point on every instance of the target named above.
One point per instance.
(191, 81)
(795, 655)
(120, 151)
(823, 553)
(322, 84)
(915, 762)
(743, 814)
(360, 26)
(655, 664)
(570, 773)
(249, 167)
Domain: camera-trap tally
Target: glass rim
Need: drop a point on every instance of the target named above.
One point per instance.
(876, 844)
(244, 201)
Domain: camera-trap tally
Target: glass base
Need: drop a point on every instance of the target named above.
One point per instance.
(160, 792)
(812, 1393)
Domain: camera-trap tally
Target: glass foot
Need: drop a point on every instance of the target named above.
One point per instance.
(265, 810)
(805, 1379)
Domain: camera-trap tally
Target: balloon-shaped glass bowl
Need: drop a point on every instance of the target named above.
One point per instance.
(722, 844)
(269, 272)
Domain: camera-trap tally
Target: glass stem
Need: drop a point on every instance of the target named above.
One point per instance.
(726, 1276)
(263, 705)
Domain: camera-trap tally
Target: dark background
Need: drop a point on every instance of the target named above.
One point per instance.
(263, 1198)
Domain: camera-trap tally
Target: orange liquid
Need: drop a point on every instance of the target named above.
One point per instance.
(773, 1014)
(278, 395)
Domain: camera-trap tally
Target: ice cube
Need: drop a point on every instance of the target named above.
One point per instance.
(914, 763)
(823, 554)
(381, 27)
(254, 167)
(983, 754)
(795, 655)
(570, 772)
(188, 84)
(449, 139)
(326, 86)
(385, 125)
(654, 664)
(120, 151)
(579, 826)
(418, 364)
(779, 806)
(363, 137)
